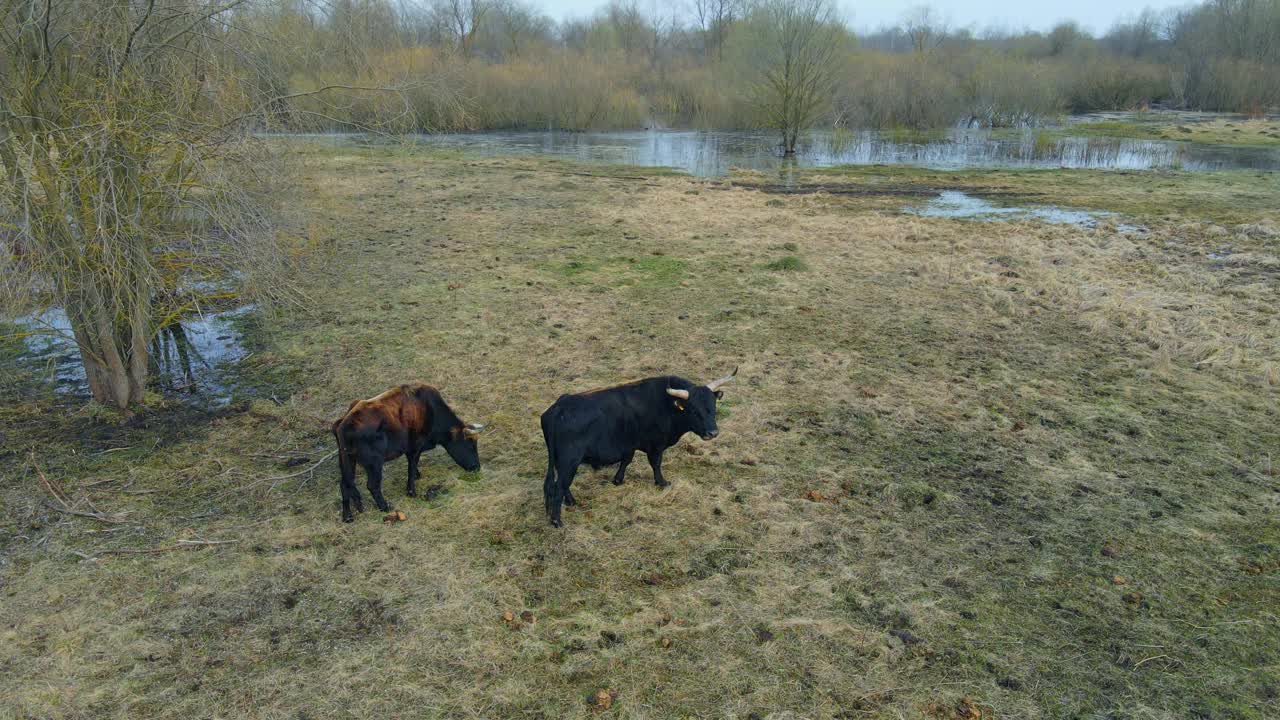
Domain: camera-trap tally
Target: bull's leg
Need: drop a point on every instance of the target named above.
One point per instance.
(564, 477)
(549, 486)
(374, 473)
(655, 462)
(411, 488)
(619, 476)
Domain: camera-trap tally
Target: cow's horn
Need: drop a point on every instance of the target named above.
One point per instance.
(675, 392)
(715, 384)
(475, 427)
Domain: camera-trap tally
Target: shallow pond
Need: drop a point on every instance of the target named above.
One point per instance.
(714, 153)
(191, 358)
(953, 204)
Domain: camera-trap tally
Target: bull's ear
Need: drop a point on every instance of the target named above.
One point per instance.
(719, 394)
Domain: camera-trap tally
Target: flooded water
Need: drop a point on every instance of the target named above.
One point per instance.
(710, 154)
(190, 358)
(952, 204)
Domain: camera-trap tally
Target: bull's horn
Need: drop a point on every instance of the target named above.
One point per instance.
(475, 427)
(715, 384)
(675, 392)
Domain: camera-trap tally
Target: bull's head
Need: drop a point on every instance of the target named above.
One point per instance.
(462, 446)
(700, 405)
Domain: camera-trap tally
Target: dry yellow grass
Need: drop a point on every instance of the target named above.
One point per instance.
(937, 428)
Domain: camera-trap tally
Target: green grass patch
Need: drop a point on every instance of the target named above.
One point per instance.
(788, 263)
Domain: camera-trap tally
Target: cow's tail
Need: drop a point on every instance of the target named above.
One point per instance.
(346, 460)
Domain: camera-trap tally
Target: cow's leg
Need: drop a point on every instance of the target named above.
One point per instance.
(619, 476)
(373, 471)
(346, 476)
(655, 462)
(411, 488)
(564, 477)
(353, 491)
(347, 487)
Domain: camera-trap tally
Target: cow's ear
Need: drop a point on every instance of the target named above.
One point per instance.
(719, 394)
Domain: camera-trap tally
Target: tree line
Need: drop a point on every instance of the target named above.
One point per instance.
(499, 64)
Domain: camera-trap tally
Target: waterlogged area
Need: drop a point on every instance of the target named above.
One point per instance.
(954, 204)
(711, 154)
(190, 358)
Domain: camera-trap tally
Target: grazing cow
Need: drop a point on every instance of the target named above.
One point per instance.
(404, 420)
(607, 426)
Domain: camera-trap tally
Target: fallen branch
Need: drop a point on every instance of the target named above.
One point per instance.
(1140, 663)
(92, 516)
(275, 480)
(307, 470)
(55, 491)
(180, 545)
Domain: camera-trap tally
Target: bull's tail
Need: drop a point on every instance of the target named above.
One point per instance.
(550, 488)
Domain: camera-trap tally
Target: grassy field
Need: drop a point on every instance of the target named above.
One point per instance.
(968, 470)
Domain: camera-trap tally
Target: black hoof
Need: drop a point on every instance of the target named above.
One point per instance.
(348, 517)
(411, 493)
(618, 481)
(662, 483)
(556, 523)
(384, 507)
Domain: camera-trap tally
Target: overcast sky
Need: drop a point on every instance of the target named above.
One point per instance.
(1095, 15)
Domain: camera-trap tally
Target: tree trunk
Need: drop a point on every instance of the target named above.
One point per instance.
(114, 353)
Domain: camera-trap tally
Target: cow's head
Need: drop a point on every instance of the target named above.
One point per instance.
(699, 405)
(462, 446)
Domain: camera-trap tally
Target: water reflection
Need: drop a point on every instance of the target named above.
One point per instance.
(190, 356)
(714, 153)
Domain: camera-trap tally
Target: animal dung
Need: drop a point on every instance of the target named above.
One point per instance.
(394, 516)
(603, 699)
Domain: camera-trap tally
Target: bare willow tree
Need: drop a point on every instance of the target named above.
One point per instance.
(129, 167)
(794, 48)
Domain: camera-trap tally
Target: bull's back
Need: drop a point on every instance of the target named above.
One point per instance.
(601, 426)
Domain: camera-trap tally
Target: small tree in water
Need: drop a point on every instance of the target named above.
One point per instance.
(793, 47)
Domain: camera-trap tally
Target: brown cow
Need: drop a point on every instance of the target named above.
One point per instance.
(404, 420)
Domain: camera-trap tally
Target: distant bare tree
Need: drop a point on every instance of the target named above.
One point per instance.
(925, 28)
(794, 46)
(714, 20)
(463, 19)
(517, 22)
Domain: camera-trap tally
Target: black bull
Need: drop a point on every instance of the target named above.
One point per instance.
(607, 426)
